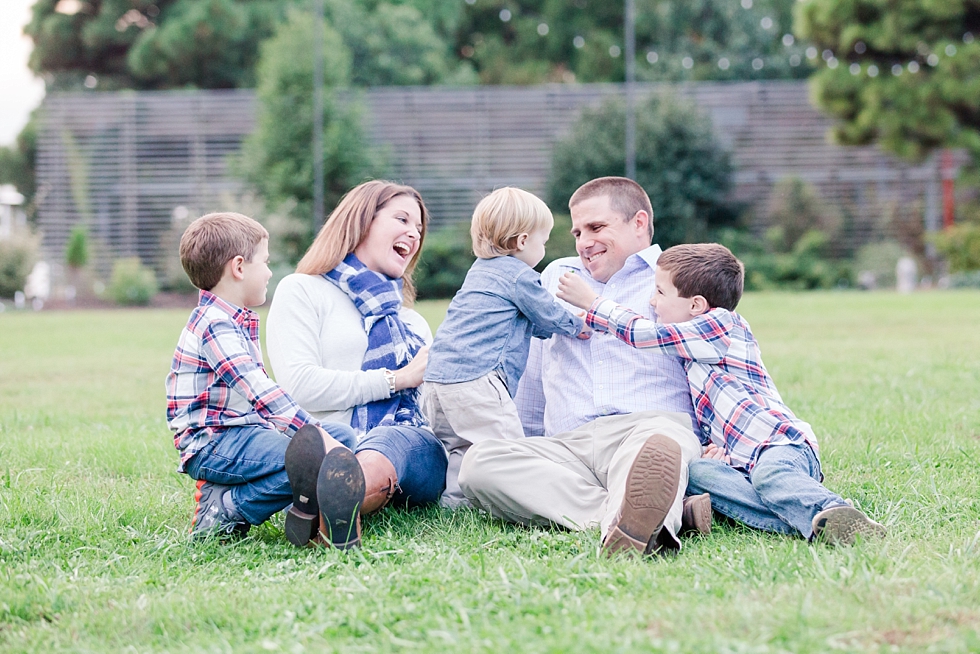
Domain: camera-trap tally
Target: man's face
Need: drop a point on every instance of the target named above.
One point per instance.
(604, 238)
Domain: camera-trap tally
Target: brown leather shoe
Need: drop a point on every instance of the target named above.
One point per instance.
(340, 493)
(697, 514)
(651, 487)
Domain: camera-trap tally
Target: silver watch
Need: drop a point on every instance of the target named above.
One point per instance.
(390, 378)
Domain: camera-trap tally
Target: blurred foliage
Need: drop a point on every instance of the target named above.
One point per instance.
(18, 254)
(77, 250)
(960, 246)
(277, 158)
(925, 88)
(679, 161)
(151, 44)
(795, 251)
(132, 283)
(17, 164)
(447, 255)
(582, 40)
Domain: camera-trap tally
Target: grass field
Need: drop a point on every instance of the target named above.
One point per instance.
(94, 554)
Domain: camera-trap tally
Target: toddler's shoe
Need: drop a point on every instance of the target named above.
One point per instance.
(212, 517)
(697, 514)
(304, 454)
(843, 524)
(651, 487)
(340, 493)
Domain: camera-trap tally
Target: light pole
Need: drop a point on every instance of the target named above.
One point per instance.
(630, 89)
(317, 115)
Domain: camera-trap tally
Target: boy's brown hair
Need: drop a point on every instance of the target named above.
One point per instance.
(213, 240)
(625, 196)
(706, 269)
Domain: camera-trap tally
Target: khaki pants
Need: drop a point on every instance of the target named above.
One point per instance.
(466, 413)
(576, 479)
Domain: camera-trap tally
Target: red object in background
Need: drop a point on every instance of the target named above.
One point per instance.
(949, 200)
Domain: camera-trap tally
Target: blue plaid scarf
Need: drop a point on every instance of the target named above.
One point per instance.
(391, 344)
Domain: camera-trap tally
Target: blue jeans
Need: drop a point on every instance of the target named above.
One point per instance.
(782, 493)
(419, 458)
(252, 460)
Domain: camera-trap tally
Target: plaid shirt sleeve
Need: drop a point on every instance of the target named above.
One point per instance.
(705, 339)
(230, 357)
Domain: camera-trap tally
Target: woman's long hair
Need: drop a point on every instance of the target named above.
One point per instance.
(348, 225)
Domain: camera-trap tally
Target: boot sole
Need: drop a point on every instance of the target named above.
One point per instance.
(340, 492)
(842, 525)
(304, 454)
(651, 487)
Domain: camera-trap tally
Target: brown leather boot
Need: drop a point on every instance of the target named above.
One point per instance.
(380, 480)
(304, 454)
(340, 491)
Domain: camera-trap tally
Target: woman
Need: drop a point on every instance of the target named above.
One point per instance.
(341, 343)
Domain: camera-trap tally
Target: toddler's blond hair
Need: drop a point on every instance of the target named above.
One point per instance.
(501, 217)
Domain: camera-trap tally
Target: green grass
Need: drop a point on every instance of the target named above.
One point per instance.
(93, 519)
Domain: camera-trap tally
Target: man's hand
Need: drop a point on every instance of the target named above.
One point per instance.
(575, 291)
(712, 451)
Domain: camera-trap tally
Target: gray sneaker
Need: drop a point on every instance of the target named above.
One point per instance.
(211, 518)
(843, 524)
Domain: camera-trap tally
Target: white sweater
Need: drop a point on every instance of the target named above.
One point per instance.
(316, 342)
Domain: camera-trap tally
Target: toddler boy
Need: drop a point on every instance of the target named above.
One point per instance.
(761, 466)
(231, 422)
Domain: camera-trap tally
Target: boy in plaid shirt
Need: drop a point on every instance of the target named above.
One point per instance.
(231, 422)
(761, 465)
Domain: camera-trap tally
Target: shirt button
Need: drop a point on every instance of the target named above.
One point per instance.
(601, 387)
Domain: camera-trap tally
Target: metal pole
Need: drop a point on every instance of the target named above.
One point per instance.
(317, 115)
(630, 89)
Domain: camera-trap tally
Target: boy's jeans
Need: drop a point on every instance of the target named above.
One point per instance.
(419, 459)
(782, 493)
(252, 460)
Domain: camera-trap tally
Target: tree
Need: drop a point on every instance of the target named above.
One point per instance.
(17, 163)
(147, 44)
(533, 41)
(679, 162)
(277, 158)
(898, 72)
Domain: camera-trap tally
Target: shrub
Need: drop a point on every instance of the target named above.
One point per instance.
(77, 251)
(18, 254)
(802, 268)
(880, 259)
(679, 162)
(132, 283)
(960, 245)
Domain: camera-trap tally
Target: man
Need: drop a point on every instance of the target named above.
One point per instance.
(618, 421)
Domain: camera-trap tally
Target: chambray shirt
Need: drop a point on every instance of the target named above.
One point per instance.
(735, 399)
(217, 379)
(570, 382)
(490, 322)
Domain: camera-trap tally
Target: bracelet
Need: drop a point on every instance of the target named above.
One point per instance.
(390, 378)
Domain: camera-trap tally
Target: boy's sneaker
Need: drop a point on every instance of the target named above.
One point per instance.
(696, 516)
(211, 517)
(843, 524)
(651, 487)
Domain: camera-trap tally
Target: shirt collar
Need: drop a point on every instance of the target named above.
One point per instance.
(649, 256)
(242, 316)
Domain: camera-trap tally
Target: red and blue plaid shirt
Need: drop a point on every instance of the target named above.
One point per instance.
(217, 379)
(735, 399)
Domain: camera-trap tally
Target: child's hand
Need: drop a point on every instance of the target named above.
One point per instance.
(586, 332)
(575, 291)
(712, 451)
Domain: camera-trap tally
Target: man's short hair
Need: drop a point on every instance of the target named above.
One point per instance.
(501, 217)
(625, 197)
(213, 240)
(706, 269)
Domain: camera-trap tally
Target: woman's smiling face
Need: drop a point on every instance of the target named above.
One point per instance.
(393, 238)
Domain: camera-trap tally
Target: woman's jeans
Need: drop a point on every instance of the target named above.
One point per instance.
(782, 493)
(252, 461)
(419, 458)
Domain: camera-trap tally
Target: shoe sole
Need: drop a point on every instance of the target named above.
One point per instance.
(697, 514)
(651, 488)
(197, 503)
(842, 525)
(304, 454)
(340, 492)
